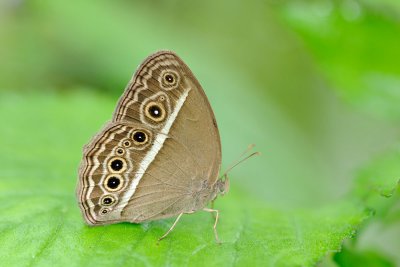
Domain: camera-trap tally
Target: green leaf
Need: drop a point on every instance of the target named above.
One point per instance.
(348, 258)
(355, 44)
(379, 177)
(284, 209)
(377, 242)
(41, 224)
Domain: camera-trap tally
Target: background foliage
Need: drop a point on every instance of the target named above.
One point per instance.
(315, 84)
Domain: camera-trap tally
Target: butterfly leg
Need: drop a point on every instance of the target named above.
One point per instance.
(212, 207)
(173, 225)
(171, 228)
(216, 222)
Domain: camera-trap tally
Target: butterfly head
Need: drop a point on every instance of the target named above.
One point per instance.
(221, 187)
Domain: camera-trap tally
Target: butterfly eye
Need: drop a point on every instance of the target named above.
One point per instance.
(169, 80)
(155, 111)
(117, 165)
(113, 182)
(107, 200)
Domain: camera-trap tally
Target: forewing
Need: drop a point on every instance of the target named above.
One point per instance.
(186, 166)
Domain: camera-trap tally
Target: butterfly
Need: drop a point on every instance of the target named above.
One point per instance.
(159, 156)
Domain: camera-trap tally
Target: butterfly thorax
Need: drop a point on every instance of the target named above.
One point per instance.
(209, 193)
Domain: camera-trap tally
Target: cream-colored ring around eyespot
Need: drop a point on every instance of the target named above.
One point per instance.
(121, 183)
(119, 151)
(164, 84)
(150, 116)
(126, 143)
(124, 166)
(108, 196)
(102, 213)
(162, 100)
(141, 144)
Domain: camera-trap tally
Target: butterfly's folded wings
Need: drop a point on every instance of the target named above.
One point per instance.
(161, 154)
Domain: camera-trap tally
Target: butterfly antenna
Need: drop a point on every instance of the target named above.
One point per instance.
(241, 159)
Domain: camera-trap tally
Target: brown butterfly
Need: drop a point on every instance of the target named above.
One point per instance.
(160, 155)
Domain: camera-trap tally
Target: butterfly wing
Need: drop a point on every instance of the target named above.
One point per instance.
(109, 163)
(177, 170)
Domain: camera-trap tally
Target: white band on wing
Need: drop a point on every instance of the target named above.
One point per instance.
(157, 145)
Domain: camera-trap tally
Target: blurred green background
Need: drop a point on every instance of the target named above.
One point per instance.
(314, 84)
